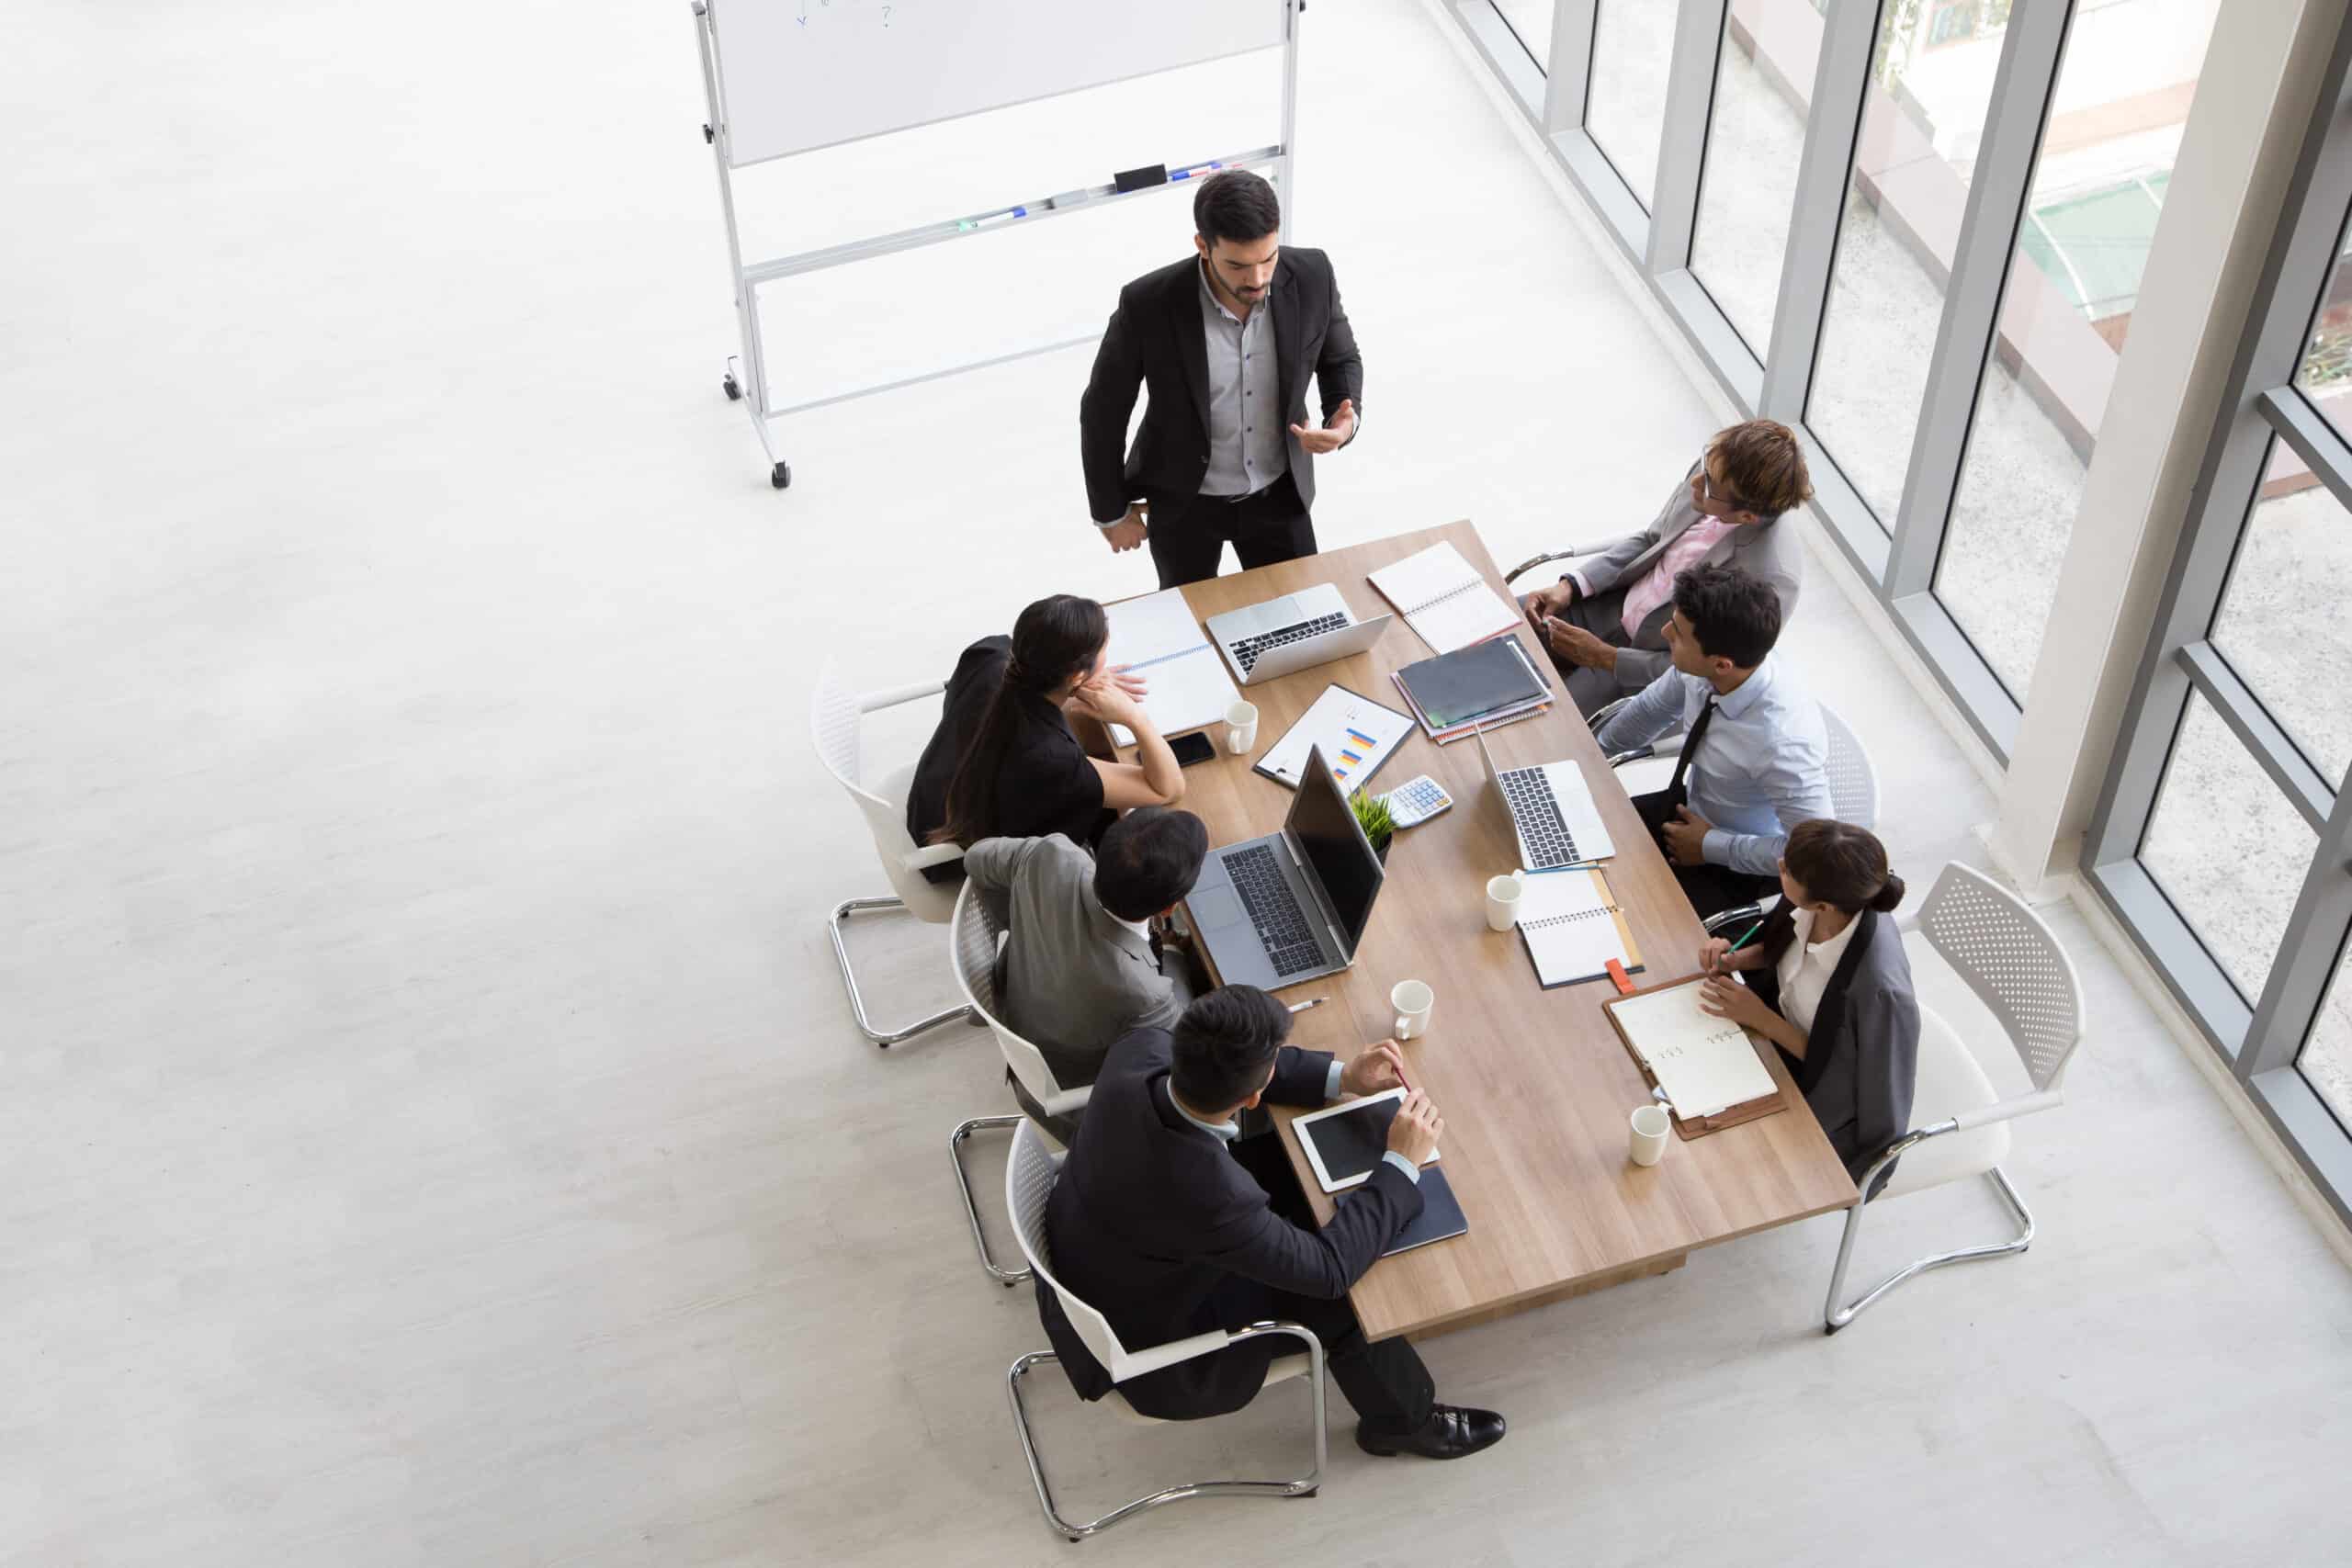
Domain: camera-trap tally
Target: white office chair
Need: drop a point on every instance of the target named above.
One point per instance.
(1028, 1183)
(973, 935)
(2013, 963)
(834, 712)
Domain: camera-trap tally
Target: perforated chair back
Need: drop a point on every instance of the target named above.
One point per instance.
(1029, 1177)
(1853, 782)
(835, 716)
(2012, 962)
(974, 936)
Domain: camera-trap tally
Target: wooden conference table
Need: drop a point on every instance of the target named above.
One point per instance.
(1535, 1086)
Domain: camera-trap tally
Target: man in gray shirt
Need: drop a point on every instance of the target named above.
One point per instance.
(1082, 966)
(1225, 340)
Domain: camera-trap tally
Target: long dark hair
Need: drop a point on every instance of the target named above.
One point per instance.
(1840, 864)
(1053, 639)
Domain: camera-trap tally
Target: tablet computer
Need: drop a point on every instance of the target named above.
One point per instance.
(1343, 1142)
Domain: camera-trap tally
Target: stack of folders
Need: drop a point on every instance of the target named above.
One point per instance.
(1478, 687)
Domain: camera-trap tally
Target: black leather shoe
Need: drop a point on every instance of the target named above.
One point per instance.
(1453, 1431)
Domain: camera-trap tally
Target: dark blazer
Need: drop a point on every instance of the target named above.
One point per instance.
(1154, 1223)
(1861, 1055)
(1155, 339)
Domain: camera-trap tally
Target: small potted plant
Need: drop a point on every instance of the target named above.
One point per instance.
(1371, 816)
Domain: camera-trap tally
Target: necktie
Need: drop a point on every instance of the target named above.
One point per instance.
(1675, 794)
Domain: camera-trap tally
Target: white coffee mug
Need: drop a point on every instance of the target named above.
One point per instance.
(1503, 900)
(1412, 1000)
(1241, 727)
(1651, 1126)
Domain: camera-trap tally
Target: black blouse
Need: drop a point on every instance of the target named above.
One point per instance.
(1049, 784)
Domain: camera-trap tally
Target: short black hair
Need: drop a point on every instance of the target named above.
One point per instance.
(1224, 1046)
(1148, 860)
(1734, 616)
(1236, 205)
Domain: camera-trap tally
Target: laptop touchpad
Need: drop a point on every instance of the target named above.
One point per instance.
(1212, 907)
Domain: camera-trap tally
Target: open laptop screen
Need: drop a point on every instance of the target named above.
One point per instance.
(1330, 842)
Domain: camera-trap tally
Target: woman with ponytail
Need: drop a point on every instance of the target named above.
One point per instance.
(1828, 984)
(1003, 761)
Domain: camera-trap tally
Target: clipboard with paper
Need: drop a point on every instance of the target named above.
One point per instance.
(1707, 1069)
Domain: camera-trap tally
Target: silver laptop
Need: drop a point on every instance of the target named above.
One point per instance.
(1297, 631)
(1551, 811)
(1292, 905)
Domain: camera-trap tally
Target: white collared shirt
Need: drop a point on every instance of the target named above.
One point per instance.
(1805, 968)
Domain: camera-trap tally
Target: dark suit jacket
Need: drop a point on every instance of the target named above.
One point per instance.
(1156, 339)
(1861, 1055)
(1153, 1222)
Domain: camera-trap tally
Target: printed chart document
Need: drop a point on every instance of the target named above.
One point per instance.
(1444, 600)
(1704, 1063)
(1572, 928)
(1157, 637)
(1357, 735)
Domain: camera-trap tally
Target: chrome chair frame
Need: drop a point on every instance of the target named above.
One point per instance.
(1304, 1487)
(1029, 1177)
(2026, 978)
(972, 942)
(834, 712)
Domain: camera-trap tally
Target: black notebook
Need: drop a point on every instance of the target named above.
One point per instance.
(1439, 1219)
(1456, 687)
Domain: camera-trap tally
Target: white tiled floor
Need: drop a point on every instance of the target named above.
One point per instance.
(433, 1129)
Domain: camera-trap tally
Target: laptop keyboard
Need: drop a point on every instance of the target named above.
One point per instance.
(1273, 910)
(1247, 651)
(1537, 815)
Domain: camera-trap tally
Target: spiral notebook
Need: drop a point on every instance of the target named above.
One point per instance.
(1572, 927)
(1444, 600)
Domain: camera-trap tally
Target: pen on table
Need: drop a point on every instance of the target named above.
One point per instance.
(1309, 1002)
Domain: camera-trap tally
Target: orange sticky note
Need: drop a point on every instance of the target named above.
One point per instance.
(1624, 981)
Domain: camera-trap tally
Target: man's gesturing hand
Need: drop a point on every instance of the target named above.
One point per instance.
(1130, 531)
(1334, 434)
(1415, 1132)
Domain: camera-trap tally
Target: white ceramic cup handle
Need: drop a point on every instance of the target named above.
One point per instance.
(1403, 1029)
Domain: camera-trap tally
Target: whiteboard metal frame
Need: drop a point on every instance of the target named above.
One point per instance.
(751, 386)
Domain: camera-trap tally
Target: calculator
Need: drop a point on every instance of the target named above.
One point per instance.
(1413, 802)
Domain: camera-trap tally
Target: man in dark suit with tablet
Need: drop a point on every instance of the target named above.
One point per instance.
(1225, 340)
(1170, 1224)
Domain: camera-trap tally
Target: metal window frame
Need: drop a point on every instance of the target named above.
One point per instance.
(2260, 1045)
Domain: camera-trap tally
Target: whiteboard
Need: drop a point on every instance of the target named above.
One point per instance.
(798, 74)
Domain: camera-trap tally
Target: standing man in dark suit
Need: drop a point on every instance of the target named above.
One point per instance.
(1169, 1223)
(1226, 340)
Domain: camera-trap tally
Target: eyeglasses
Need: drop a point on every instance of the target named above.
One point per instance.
(1707, 491)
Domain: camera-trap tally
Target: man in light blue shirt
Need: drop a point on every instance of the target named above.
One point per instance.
(1756, 763)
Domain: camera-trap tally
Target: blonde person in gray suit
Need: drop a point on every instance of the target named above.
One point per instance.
(1605, 620)
(1082, 965)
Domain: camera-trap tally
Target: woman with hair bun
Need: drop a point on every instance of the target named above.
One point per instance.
(1828, 984)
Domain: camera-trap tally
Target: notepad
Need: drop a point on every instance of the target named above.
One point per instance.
(1573, 928)
(1186, 685)
(1444, 600)
(1704, 1065)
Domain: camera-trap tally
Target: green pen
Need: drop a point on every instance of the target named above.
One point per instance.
(1734, 947)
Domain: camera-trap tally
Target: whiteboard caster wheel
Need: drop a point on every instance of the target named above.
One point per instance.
(782, 476)
(733, 388)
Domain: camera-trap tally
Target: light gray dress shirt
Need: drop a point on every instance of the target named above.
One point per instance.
(1227, 1132)
(1249, 440)
(1761, 769)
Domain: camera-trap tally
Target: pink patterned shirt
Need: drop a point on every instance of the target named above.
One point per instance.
(1656, 589)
